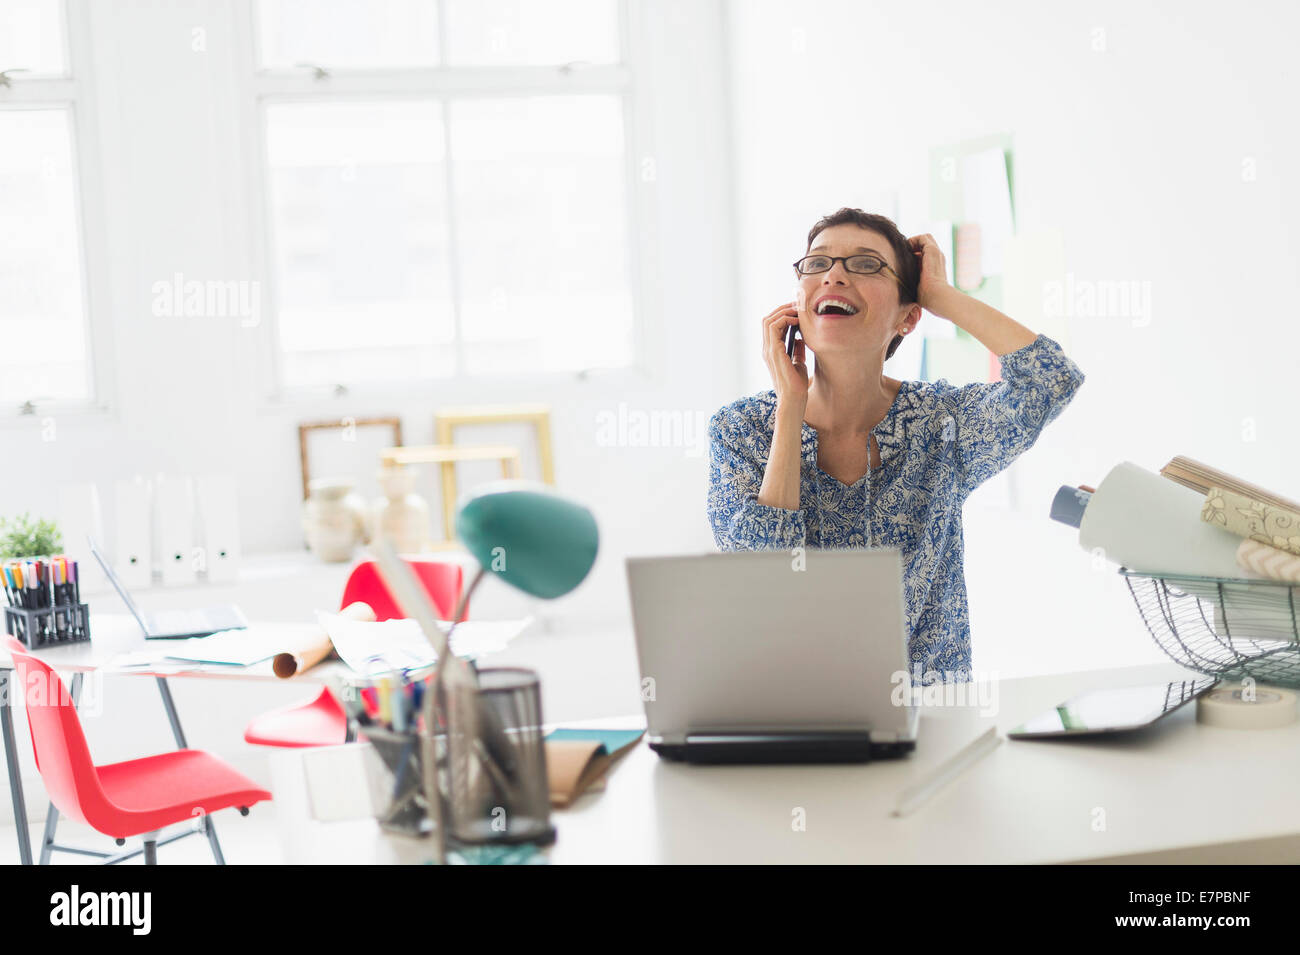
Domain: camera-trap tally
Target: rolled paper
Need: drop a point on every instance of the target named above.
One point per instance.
(314, 646)
(1201, 477)
(1151, 526)
(1268, 561)
(1069, 505)
(1252, 519)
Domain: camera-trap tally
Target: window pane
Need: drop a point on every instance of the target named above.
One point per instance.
(358, 213)
(343, 34)
(31, 36)
(542, 244)
(42, 322)
(526, 32)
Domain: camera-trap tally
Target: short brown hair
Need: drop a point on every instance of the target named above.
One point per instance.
(909, 267)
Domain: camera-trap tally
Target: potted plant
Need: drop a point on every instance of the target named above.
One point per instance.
(24, 537)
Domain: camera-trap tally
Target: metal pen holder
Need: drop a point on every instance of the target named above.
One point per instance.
(1226, 627)
(482, 754)
(497, 789)
(406, 807)
(49, 626)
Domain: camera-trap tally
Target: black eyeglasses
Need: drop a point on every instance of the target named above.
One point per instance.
(861, 264)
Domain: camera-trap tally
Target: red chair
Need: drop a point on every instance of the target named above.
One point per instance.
(322, 721)
(137, 797)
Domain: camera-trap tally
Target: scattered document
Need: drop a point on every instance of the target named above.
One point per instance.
(237, 648)
(400, 644)
(134, 660)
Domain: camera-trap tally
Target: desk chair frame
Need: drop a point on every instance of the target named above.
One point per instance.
(151, 842)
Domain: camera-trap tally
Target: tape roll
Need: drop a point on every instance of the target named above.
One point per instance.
(1272, 707)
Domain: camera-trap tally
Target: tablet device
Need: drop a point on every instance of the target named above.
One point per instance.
(1112, 711)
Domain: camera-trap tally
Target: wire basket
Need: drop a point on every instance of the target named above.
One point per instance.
(1227, 627)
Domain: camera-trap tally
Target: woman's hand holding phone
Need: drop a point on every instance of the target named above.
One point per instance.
(784, 356)
(781, 477)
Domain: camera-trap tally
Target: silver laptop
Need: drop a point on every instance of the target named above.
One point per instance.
(173, 624)
(745, 658)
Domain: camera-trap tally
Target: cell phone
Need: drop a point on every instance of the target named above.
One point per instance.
(789, 339)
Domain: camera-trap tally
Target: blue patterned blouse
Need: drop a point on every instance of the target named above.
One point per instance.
(938, 442)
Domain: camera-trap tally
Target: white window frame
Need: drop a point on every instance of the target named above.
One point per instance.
(73, 91)
(264, 86)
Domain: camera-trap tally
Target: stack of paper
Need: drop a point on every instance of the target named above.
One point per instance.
(400, 644)
(236, 648)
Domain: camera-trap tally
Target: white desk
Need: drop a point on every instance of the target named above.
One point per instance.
(116, 634)
(1177, 791)
(112, 636)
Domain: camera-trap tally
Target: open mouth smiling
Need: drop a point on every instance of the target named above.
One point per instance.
(834, 306)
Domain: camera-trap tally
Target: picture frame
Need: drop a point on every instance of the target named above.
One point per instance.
(368, 436)
(496, 425)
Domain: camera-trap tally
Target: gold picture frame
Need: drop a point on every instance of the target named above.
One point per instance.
(447, 420)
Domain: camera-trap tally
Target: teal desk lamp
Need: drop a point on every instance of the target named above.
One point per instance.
(525, 534)
(529, 537)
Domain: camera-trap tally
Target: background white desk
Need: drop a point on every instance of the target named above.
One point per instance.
(585, 670)
(113, 636)
(1176, 792)
(118, 634)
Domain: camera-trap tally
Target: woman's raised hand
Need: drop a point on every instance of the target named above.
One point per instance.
(789, 375)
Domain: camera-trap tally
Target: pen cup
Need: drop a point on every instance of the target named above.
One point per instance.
(497, 790)
(37, 627)
(403, 807)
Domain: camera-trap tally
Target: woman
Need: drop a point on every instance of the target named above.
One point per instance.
(853, 458)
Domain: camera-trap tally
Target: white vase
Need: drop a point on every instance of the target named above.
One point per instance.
(333, 519)
(401, 516)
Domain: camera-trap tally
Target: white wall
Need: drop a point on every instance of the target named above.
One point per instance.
(1136, 155)
(172, 129)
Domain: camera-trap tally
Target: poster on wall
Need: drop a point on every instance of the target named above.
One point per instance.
(972, 207)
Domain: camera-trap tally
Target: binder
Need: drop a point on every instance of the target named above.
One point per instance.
(133, 553)
(175, 529)
(219, 527)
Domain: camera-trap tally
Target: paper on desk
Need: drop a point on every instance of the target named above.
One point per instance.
(310, 644)
(154, 660)
(400, 643)
(137, 659)
(240, 648)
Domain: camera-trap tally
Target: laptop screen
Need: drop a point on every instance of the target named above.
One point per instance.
(117, 585)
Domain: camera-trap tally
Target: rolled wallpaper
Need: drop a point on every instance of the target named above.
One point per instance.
(1253, 519)
(1268, 561)
(1152, 525)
